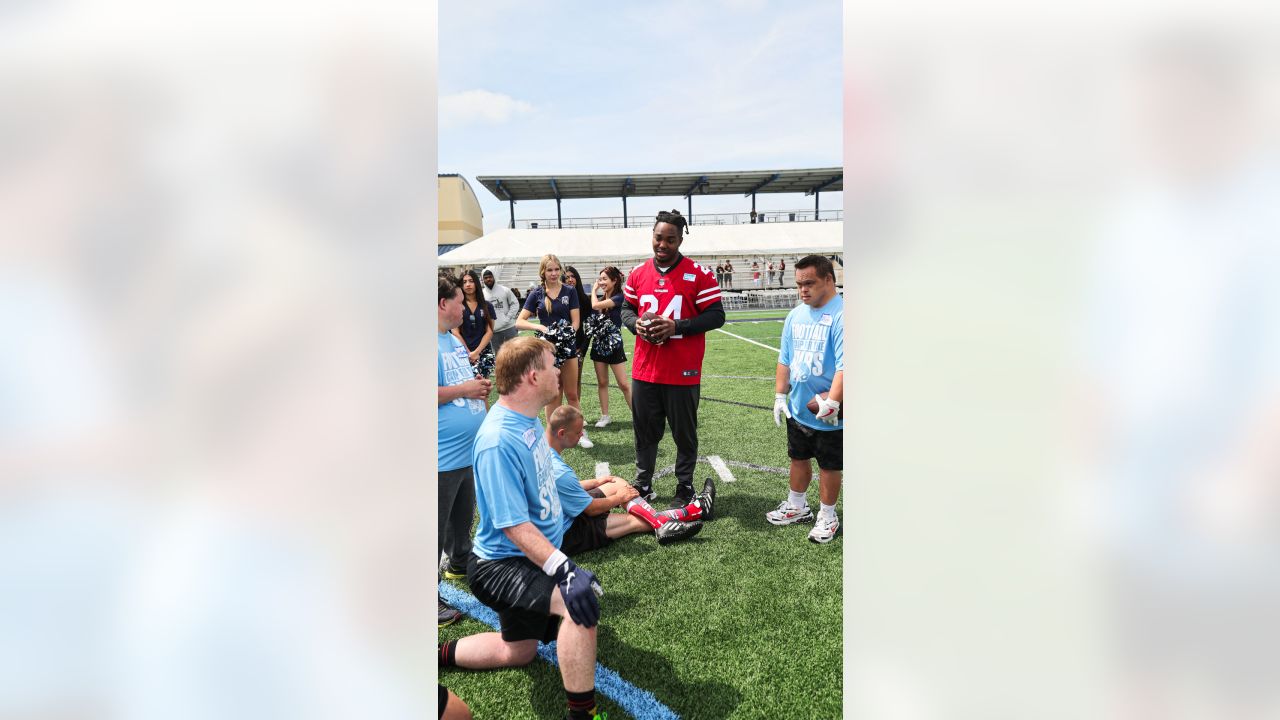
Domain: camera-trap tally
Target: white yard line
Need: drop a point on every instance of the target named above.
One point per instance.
(753, 342)
(721, 469)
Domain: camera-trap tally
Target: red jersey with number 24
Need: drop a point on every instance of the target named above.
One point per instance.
(682, 292)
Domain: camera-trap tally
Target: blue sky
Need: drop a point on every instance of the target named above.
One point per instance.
(584, 87)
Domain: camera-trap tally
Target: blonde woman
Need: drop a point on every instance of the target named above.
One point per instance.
(558, 311)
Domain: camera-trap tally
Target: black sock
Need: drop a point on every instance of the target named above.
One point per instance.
(581, 705)
(447, 650)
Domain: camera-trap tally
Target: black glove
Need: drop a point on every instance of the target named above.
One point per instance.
(579, 588)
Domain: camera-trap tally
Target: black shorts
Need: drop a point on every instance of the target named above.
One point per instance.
(586, 533)
(442, 701)
(617, 357)
(804, 443)
(520, 593)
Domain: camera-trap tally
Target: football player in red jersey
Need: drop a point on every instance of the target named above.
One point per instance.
(671, 302)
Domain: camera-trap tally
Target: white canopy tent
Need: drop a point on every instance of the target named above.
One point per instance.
(701, 241)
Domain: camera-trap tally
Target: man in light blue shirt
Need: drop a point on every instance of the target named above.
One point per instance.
(460, 396)
(809, 386)
(517, 567)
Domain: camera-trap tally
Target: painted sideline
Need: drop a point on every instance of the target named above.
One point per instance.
(753, 342)
(638, 703)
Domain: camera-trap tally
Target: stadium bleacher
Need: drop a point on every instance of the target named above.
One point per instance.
(523, 275)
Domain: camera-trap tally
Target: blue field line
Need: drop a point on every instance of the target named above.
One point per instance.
(636, 702)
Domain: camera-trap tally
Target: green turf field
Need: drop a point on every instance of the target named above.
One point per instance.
(743, 621)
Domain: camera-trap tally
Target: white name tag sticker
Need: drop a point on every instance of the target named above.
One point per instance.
(825, 320)
(690, 277)
(530, 437)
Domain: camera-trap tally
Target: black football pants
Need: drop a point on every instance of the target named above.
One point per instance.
(653, 406)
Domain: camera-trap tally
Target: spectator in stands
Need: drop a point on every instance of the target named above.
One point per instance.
(770, 272)
(720, 274)
(755, 274)
(782, 271)
(728, 274)
(557, 308)
(607, 351)
(506, 307)
(753, 216)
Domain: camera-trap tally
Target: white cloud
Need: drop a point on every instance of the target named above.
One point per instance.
(480, 107)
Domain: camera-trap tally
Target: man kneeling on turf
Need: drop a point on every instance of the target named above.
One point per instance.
(516, 567)
(586, 503)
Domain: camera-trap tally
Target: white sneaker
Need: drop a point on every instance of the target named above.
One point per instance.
(603, 421)
(825, 529)
(788, 513)
(585, 442)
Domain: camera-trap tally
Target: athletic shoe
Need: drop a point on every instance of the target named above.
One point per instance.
(825, 529)
(673, 530)
(707, 499)
(603, 421)
(646, 492)
(585, 443)
(449, 571)
(448, 614)
(788, 513)
(684, 495)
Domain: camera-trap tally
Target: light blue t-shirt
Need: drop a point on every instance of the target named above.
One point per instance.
(573, 499)
(460, 418)
(515, 483)
(813, 348)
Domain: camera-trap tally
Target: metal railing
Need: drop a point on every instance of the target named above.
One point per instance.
(644, 221)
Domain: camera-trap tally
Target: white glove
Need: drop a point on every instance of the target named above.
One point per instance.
(828, 410)
(780, 408)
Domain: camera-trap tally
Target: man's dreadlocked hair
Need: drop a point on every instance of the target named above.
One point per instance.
(675, 218)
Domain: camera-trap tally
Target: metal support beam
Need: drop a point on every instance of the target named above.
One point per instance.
(626, 185)
(825, 183)
(556, 189)
(815, 205)
(696, 184)
(762, 183)
(689, 218)
(753, 202)
(510, 199)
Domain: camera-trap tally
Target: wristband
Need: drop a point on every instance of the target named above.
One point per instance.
(554, 562)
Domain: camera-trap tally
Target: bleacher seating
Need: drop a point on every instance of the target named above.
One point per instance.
(743, 294)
